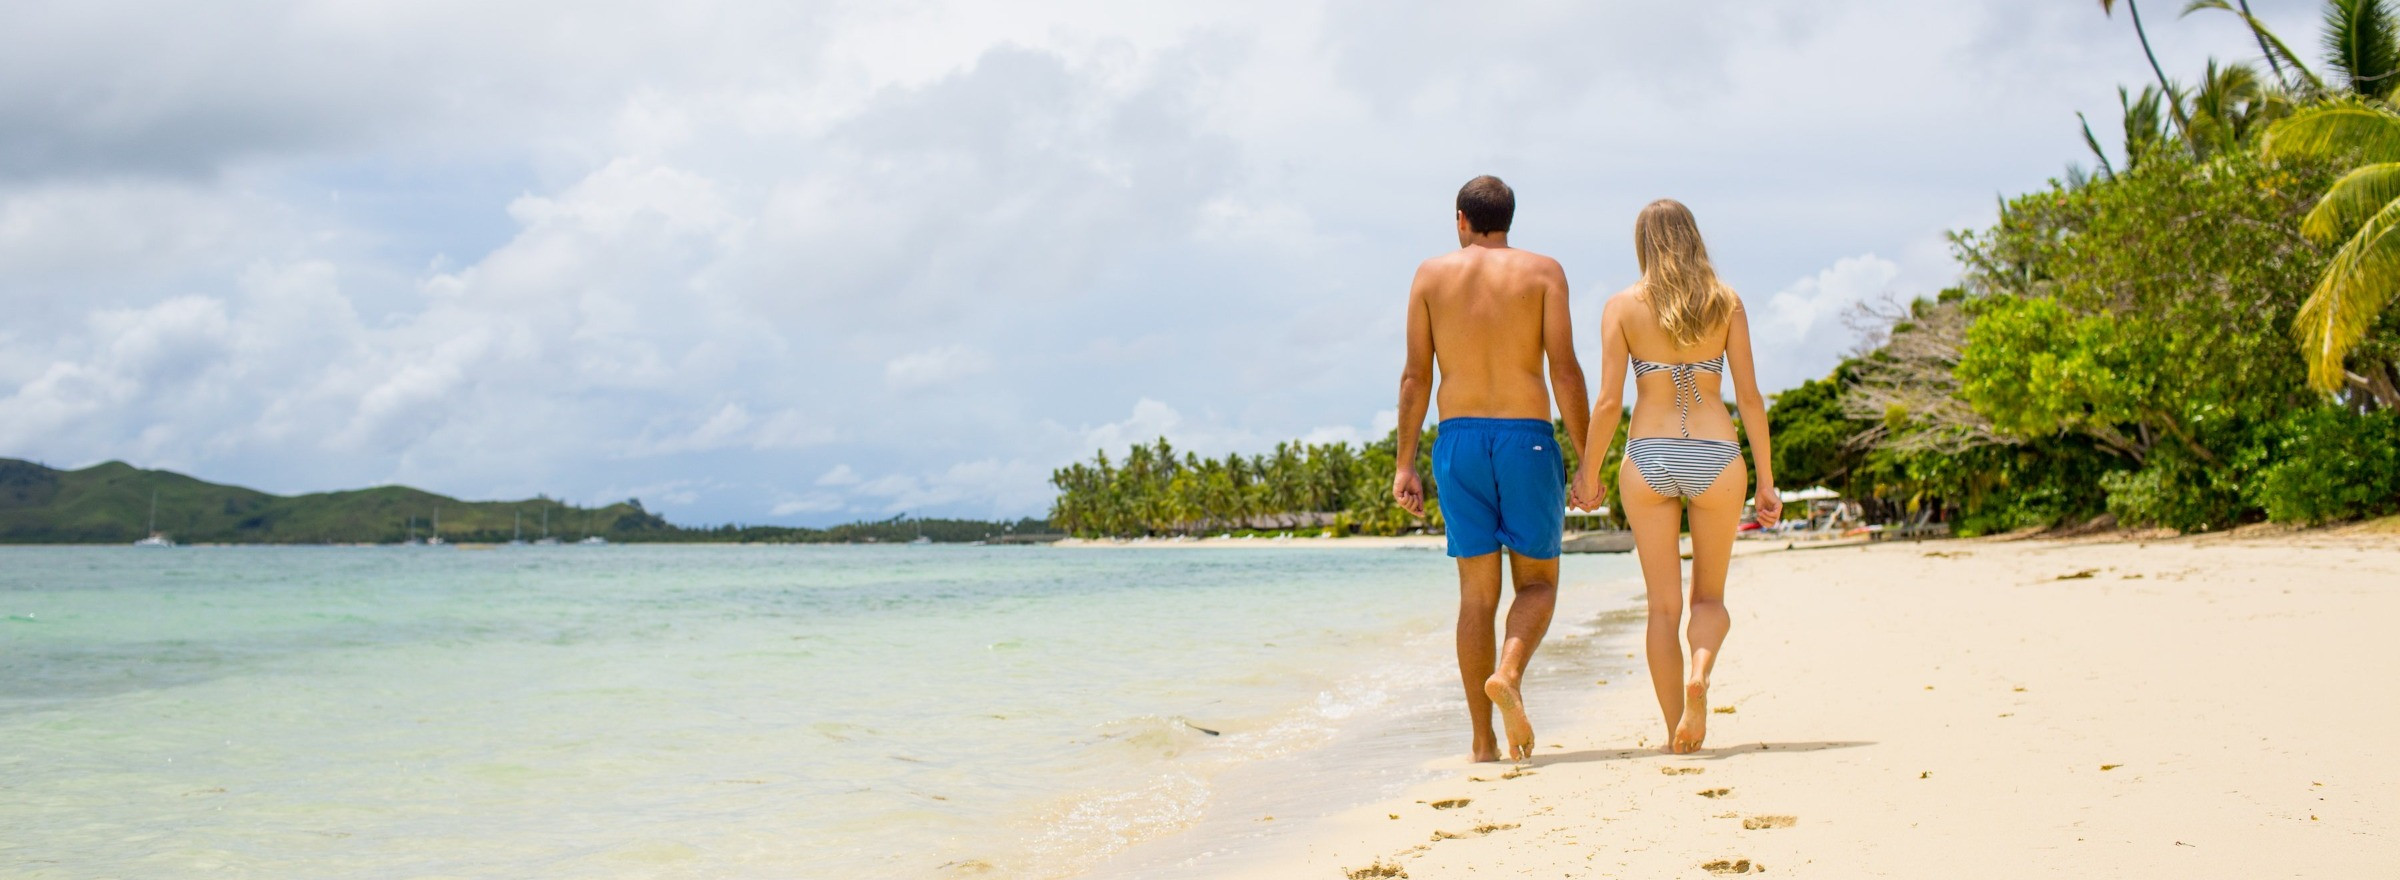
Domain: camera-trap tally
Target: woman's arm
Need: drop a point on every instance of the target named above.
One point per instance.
(1754, 415)
(1586, 493)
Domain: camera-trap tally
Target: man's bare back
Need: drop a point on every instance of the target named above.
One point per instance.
(1485, 309)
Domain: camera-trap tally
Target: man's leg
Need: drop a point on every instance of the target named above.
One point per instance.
(1536, 582)
(1478, 602)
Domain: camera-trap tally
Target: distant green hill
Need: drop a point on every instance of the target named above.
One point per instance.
(110, 504)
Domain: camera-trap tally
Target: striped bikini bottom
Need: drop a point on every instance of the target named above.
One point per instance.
(1680, 466)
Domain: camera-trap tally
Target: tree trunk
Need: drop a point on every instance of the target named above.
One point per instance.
(2252, 21)
(2376, 384)
(2174, 106)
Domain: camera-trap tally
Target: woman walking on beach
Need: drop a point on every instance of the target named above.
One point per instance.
(1682, 332)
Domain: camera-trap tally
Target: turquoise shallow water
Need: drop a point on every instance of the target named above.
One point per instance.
(683, 711)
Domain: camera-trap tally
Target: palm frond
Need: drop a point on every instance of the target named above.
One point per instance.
(2278, 54)
(2145, 124)
(2352, 201)
(2337, 130)
(2106, 170)
(2357, 286)
(2362, 44)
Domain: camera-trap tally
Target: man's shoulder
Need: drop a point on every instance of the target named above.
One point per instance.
(1445, 261)
(1513, 258)
(1535, 259)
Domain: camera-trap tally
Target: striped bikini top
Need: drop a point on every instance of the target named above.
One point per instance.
(1686, 383)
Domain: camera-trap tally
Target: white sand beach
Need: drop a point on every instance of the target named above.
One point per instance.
(2212, 706)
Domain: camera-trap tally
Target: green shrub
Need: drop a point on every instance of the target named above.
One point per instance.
(2174, 492)
(2328, 463)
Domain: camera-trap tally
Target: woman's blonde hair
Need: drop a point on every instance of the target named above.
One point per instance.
(1683, 288)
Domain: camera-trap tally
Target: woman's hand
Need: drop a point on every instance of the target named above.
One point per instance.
(1585, 493)
(1770, 506)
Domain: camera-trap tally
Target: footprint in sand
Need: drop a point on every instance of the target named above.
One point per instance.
(1723, 866)
(1723, 710)
(1681, 771)
(1477, 831)
(1755, 823)
(1451, 804)
(1379, 869)
(1512, 774)
(1713, 793)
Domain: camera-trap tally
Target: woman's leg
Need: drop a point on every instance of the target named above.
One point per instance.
(1716, 516)
(1656, 520)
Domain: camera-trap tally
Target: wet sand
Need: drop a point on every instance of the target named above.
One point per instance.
(2213, 706)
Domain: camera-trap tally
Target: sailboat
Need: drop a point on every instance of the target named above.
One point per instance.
(546, 540)
(589, 539)
(517, 539)
(436, 540)
(157, 538)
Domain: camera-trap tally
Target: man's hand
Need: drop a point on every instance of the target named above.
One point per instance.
(1585, 492)
(1409, 491)
(1770, 506)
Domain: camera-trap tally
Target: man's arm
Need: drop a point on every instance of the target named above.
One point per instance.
(1416, 386)
(1566, 373)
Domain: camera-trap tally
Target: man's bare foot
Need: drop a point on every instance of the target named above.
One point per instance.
(1693, 729)
(1512, 716)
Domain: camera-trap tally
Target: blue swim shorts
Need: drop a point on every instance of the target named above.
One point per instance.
(1501, 483)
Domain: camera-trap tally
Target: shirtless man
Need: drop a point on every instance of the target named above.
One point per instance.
(1489, 314)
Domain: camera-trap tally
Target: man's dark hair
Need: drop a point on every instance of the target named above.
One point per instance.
(1488, 204)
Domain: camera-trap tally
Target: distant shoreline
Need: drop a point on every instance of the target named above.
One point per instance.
(1353, 542)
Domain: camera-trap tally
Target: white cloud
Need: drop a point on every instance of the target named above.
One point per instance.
(840, 475)
(1149, 421)
(1803, 330)
(815, 502)
(935, 366)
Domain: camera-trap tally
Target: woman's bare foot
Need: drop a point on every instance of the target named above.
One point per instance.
(1693, 729)
(1512, 716)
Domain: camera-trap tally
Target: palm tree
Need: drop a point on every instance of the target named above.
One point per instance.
(2362, 211)
(2360, 44)
(2108, 7)
(2232, 107)
(2278, 55)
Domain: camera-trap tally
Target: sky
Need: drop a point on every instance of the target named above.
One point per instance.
(806, 263)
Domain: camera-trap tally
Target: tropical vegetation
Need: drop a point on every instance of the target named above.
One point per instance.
(2194, 334)
(1299, 488)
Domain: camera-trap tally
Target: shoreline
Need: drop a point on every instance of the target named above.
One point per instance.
(1973, 707)
(1353, 542)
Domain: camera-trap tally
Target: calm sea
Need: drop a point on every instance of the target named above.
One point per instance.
(847, 712)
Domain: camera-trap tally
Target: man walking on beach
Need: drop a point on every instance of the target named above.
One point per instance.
(1489, 315)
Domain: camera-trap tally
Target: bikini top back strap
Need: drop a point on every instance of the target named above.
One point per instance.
(1686, 383)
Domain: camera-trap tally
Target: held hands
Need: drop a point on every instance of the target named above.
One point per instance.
(1409, 492)
(1585, 493)
(1769, 506)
